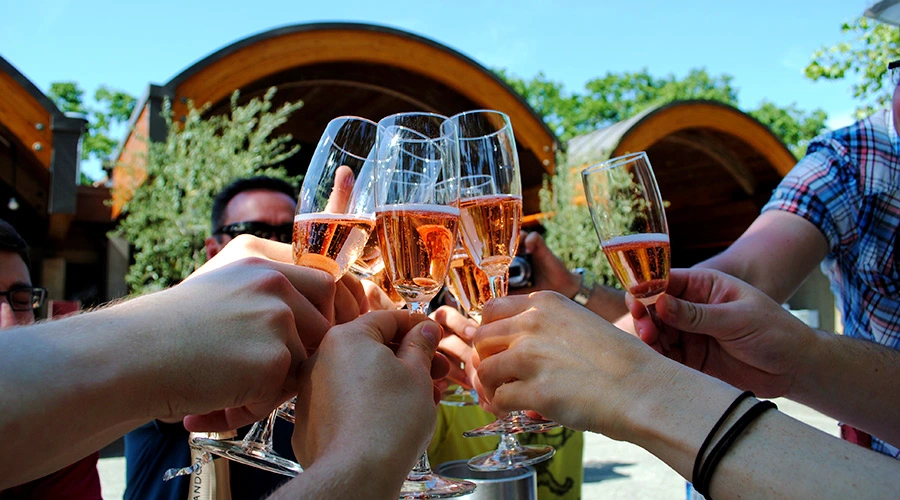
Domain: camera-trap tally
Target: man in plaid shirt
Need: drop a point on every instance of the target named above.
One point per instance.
(839, 206)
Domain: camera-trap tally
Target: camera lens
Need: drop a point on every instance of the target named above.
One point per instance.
(520, 272)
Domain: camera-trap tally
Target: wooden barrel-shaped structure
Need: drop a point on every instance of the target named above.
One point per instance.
(340, 69)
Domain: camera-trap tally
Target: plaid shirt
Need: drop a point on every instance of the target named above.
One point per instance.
(848, 185)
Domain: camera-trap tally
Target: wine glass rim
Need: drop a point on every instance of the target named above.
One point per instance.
(443, 118)
(612, 163)
(507, 123)
(348, 118)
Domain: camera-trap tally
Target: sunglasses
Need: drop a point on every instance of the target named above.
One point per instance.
(894, 71)
(25, 298)
(282, 233)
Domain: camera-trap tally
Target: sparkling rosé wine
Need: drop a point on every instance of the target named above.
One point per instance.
(490, 229)
(416, 244)
(641, 262)
(330, 242)
(468, 284)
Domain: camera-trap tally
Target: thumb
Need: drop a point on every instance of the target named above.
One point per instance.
(340, 193)
(420, 344)
(708, 319)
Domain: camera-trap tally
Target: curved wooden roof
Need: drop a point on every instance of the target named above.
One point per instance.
(716, 167)
(366, 70)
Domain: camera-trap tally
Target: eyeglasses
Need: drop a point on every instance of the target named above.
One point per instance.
(25, 298)
(894, 71)
(282, 233)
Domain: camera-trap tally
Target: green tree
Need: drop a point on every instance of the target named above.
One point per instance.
(872, 45)
(792, 125)
(167, 218)
(113, 108)
(618, 96)
(569, 231)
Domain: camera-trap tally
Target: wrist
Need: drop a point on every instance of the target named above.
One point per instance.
(672, 417)
(585, 287)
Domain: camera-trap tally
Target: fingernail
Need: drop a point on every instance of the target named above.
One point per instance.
(432, 331)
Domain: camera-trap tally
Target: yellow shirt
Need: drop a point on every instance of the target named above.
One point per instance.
(559, 478)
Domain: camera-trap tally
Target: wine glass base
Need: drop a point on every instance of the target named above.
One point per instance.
(511, 458)
(513, 424)
(434, 486)
(259, 458)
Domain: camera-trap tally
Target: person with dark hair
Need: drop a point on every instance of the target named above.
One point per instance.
(259, 206)
(18, 301)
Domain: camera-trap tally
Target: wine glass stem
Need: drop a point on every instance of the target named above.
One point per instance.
(497, 286)
(260, 435)
(422, 467)
(418, 311)
(657, 321)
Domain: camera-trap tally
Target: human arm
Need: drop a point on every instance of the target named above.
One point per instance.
(551, 273)
(364, 413)
(775, 254)
(734, 332)
(231, 337)
(545, 354)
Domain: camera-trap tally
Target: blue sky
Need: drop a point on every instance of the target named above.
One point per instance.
(764, 44)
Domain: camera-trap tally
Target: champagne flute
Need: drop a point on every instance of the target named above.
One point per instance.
(630, 220)
(490, 210)
(416, 206)
(335, 215)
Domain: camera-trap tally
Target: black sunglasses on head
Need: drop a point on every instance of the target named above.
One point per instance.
(282, 233)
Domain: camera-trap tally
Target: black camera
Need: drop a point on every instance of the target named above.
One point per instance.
(520, 272)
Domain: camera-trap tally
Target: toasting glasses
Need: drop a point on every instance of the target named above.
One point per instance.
(628, 215)
(490, 209)
(416, 205)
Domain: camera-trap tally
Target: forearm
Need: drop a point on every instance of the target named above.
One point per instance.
(776, 456)
(854, 381)
(99, 389)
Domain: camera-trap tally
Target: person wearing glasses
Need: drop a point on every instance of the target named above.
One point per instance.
(259, 206)
(19, 300)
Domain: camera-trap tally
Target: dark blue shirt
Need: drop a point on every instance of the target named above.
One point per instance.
(155, 447)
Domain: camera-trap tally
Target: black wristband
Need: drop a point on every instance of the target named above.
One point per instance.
(697, 461)
(715, 456)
